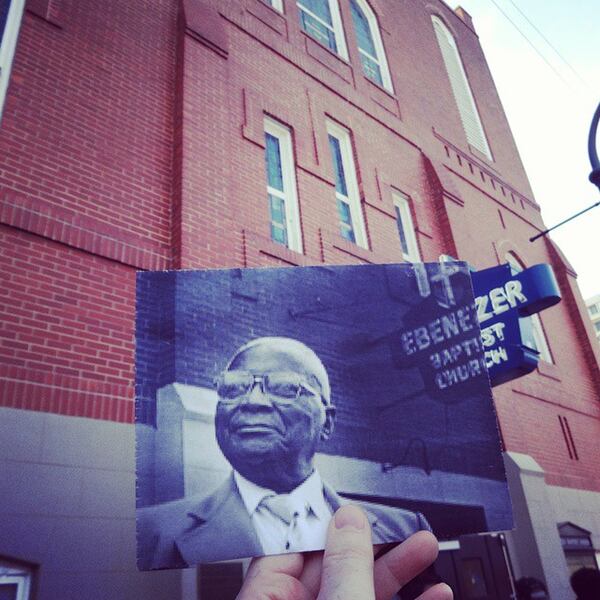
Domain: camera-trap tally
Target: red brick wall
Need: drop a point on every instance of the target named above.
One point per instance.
(133, 138)
(87, 132)
(67, 336)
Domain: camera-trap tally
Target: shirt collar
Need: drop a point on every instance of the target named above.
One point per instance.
(309, 492)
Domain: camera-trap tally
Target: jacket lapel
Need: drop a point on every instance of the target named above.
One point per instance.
(335, 501)
(224, 529)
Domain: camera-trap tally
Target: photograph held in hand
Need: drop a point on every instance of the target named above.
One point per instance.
(253, 438)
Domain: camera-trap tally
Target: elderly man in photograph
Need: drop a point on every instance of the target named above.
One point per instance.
(274, 409)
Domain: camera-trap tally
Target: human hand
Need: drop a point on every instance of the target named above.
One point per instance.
(347, 569)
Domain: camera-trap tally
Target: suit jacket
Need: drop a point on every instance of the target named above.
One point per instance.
(218, 527)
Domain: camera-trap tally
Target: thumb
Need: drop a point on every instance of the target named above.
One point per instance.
(348, 560)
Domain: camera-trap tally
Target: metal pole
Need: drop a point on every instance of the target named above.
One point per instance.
(594, 175)
(542, 233)
(593, 153)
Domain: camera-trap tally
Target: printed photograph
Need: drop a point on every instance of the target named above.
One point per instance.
(267, 398)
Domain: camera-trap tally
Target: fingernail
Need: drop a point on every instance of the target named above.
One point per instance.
(350, 516)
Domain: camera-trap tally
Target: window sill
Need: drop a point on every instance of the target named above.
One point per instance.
(269, 7)
(268, 15)
(321, 45)
(380, 88)
(337, 250)
(276, 250)
(327, 58)
(339, 243)
(381, 96)
(257, 247)
(548, 370)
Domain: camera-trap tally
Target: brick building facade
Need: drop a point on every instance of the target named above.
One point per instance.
(133, 137)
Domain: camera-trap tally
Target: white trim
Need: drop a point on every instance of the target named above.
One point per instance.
(381, 58)
(276, 4)
(461, 89)
(353, 199)
(445, 258)
(8, 44)
(22, 581)
(11, 574)
(317, 18)
(540, 338)
(402, 202)
(336, 25)
(289, 194)
(536, 323)
(449, 545)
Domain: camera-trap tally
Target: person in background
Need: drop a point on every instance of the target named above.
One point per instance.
(586, 584)
(530, 588)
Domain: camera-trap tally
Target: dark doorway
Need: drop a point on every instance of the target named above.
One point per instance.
(220, 581)
(478, 570)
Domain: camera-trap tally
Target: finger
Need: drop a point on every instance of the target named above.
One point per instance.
(440, 591)
(311, 574)
(289, 564)
(404, 562)
(313, 563)
(348, 559)
(274, 578)
(381, 549)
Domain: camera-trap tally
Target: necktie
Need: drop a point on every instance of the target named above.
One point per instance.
(281, 507)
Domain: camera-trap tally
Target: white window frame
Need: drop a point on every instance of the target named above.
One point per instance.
(381, 58)
(536, 324)
(402, 202)
(463, 95)
(12, 574)
(336, 27)
(276, 4)
(289, 194)
(8, 44)
(22, 582)
(353, 199)
(540, 338)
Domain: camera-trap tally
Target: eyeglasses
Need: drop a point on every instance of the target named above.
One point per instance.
(284, 387)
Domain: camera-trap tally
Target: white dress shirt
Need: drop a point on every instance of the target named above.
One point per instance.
(306, 532)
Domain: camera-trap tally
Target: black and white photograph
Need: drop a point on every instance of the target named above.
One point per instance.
(267, 398)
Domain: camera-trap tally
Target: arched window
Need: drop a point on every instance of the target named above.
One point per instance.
(370, 46)
(532, 333)
(461, 89)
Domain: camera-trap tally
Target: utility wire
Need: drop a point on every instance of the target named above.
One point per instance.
(565, 61)
(532, 45)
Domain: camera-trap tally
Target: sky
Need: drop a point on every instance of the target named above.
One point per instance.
(549, 104)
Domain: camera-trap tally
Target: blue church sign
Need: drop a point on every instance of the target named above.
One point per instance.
(501, 298)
